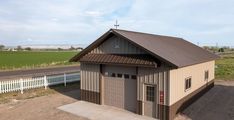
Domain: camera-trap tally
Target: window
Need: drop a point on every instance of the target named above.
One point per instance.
(188, 83)
(106, 74)
(119, 75)
(206, 75)
(150, 93)
(113, 75)
(134, 77)
(126, 76)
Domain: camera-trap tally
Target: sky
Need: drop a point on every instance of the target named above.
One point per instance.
(31, 22)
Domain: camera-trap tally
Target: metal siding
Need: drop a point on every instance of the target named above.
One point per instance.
(90, 77)
(124, 47)
(153, 76)
(197, 72)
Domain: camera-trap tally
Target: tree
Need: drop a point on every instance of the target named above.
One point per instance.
(2, 47)
(221, 49)
(19, 47)
(72, 48)
(28, 49)
(60, 49)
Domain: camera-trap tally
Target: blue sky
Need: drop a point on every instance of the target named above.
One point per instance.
(23, 22)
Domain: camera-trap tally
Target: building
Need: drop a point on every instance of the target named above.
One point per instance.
(152, 75)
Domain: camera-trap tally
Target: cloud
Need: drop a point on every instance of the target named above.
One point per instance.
(79, 22)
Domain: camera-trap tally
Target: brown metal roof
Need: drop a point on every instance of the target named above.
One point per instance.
(129, 59)
(175, 51)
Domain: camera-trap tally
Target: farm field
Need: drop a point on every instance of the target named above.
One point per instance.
(31, 59)
(225, 67)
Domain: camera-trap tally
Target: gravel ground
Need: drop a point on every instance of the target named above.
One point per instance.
(216, 104)
(40, 108)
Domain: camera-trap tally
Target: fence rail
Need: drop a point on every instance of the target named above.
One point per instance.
(37, 82)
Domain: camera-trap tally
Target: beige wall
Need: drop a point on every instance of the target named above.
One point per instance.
(177, 79)
(125, 47)
(90, 75)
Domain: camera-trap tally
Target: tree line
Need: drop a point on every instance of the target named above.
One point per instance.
(20, 48)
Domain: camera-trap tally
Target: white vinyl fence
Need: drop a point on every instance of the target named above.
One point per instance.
(37, 82)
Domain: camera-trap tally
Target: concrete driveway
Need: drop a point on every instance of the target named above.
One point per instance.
(100, 112)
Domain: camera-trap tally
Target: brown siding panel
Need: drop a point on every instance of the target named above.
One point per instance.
(139, 107)
(90, 96)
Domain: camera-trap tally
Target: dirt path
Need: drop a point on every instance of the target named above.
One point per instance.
(216, 104)
(40, 108)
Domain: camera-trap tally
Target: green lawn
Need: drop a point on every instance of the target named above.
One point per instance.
(225, 67)
(28, 59)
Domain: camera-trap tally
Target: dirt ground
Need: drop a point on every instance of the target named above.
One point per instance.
(40, 108)
(216, 104)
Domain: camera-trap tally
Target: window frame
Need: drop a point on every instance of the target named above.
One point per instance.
(126, 77)
(113, 75)
(206, 75)
(119, 75)
(150, 93)
(134, 77)
(188, 85)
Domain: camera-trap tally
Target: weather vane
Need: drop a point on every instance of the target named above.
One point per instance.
(116, 24)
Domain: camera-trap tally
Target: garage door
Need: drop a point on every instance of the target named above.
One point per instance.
(120, 87)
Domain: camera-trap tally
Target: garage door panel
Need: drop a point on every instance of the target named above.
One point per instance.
(120, 92)
(130, 95)
(114, 92)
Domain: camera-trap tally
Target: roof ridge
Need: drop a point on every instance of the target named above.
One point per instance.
(146, 33)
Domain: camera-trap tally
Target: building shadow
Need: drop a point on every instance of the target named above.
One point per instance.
(216, 104)
(71, 89)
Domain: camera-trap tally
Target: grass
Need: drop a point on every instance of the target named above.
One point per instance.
(29, 59)
(32, 93)
(225, 67)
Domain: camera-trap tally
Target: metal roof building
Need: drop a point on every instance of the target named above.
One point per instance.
(148, 74)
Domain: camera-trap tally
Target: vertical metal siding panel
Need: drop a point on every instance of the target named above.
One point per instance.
(88, 78)
(92, 78)
(97, 82)
(97, 78)
(151, 77)
(125, 47)
(81, 75)
(85, 81)
(164, 87)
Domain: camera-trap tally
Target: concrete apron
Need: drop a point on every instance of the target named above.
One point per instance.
(100, 112)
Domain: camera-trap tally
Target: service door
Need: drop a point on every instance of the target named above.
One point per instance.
(150, 100)
(120, 87)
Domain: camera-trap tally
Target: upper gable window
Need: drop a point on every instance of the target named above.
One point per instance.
(116, 44)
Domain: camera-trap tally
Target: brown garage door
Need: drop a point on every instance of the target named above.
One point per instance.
(114, 92)
(120, 90)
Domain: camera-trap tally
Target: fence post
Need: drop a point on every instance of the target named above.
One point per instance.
(21, 86)
(0, 87)
(65, 79)
(45, 82)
